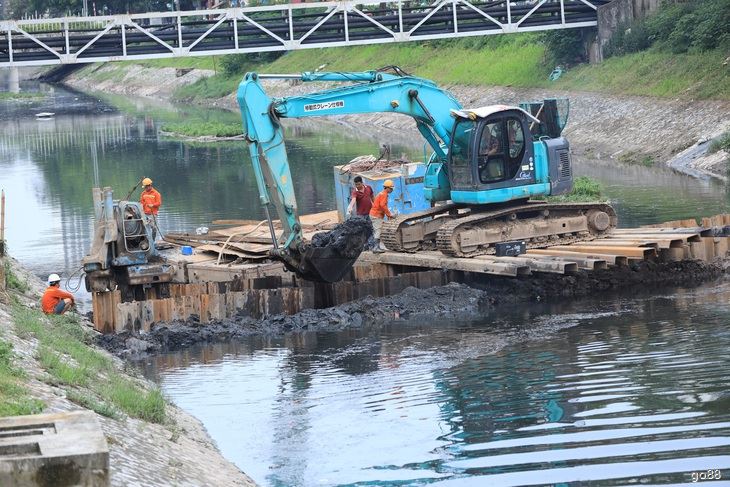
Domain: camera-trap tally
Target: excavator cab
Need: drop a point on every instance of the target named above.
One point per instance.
(489, 153)
(493, 157)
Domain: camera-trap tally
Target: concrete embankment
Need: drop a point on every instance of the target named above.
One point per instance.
(601, 127)
(174, 451)
(480, 299)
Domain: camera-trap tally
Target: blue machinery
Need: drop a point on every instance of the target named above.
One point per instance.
(123, 254)
(486, 163)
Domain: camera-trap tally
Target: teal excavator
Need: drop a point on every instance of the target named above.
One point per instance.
(487, 164)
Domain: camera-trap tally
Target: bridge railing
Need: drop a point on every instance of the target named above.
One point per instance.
(276, 28)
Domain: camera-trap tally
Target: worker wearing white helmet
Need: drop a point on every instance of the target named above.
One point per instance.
(56, 301)
(379, 211)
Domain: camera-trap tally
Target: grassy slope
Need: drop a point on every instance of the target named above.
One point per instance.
(518, 63)
(655, 73)
(89, 377)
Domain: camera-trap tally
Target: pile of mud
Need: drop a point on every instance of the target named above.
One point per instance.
(643, 276)
(347, 239)
(451, 302)
(437, 302)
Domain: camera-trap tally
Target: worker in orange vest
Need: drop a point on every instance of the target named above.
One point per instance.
(151, 200)
(56, 301)
(379, 211)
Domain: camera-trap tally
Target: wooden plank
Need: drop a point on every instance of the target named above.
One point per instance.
(204, 308)
(709, 247)
(104, 306)
(685, 237)
(162, 309)
(658, 243)
(437, 260)
(318, 220)
(535, 264)
(146, 315)
(690, 222)
(640, 252)
(610, 259)
(721, 246)
(128, 317)
(216, 306)
(697, 251)
(608, 242)
(251, 248)
(652, 232)
(228, 251)
(586, 263)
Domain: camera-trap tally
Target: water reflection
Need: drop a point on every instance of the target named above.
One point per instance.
(630, 391)
(47, 168)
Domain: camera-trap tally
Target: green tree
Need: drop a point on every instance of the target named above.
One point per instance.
(57, 8)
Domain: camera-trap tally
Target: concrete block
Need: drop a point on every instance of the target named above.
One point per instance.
(59, 450)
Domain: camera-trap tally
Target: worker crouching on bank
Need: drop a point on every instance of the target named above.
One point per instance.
(56, 301)
(379, 211)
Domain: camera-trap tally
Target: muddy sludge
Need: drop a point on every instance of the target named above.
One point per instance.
(436, 302)
(347, 238)
(479, 296)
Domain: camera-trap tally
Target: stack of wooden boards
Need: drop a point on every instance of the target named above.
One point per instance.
(665, 242)
(249, 239)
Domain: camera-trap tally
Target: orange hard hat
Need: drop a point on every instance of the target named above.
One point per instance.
(388, 183)
(146, 182)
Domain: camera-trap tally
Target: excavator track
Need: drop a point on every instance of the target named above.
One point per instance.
(417, 231)
(539, 224)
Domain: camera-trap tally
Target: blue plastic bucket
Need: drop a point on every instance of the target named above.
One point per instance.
(186, 250)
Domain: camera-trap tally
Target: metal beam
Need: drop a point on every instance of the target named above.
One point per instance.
(37, 42)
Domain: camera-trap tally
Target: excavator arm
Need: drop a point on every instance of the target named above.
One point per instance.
(372, 91)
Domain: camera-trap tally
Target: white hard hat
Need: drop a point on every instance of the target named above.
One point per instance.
(53, 278)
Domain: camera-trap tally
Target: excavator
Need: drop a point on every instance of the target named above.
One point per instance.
(487, 165)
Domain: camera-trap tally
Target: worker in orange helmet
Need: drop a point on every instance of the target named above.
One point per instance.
(56, 301)
(379, 211)
(151, 200)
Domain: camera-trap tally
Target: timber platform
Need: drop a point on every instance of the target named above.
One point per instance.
(230, 274)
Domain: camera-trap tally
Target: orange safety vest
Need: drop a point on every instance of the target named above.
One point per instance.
(380, 206)
(151, 201)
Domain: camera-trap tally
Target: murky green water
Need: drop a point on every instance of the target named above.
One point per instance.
(608, 391)
(602, 392)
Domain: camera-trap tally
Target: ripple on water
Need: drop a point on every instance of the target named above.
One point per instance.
(615, 399)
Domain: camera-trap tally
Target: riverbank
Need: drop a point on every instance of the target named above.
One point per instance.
(151, 441)
(456, 301)
(612, 129)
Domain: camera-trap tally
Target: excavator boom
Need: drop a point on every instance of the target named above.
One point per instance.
(372, 91)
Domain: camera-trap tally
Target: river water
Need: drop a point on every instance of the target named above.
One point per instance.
(611, 390)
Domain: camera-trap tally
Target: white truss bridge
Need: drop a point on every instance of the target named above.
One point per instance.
(73, 40)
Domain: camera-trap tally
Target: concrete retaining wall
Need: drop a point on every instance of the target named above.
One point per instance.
(614, 15)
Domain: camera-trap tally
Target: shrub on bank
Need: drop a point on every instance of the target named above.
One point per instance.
(720, 143)
(584, 189)
(198, 129)
(678, 26)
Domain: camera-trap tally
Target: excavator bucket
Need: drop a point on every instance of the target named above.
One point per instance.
(325, 265)
(331, 255)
